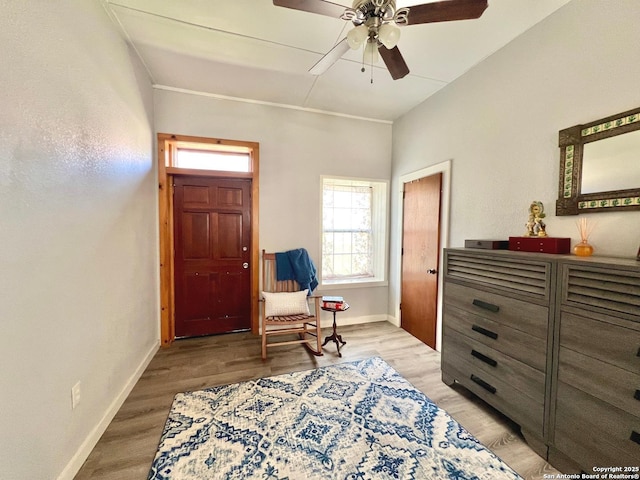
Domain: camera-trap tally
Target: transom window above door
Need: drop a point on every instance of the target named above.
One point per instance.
(201, 156)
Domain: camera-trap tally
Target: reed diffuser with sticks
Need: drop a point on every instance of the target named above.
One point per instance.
(583, 249)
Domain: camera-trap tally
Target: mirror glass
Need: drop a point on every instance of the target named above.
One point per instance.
(611, 164)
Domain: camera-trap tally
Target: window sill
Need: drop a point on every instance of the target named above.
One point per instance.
(353, 284)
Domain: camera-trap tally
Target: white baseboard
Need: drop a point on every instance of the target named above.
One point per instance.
(356, 320)
(76, 462)
(393, 321)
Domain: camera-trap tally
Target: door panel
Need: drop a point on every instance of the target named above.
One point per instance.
(230, 197)
(196, 196)
(420, 257)
(232, 304)
(212, 245)
(195, 235)
(229, 236)
(197, 295)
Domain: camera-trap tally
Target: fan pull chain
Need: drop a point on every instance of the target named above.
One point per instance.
(372, 55)
(370, 63)
(372, 69)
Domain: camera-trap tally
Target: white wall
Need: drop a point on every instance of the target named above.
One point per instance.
(296, 148)
(499, 125)
(78, 230)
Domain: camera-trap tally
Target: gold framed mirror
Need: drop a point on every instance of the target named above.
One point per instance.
(600, 165)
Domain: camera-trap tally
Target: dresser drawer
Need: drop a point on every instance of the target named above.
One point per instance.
(524, 316)
(528, 413)
(593, 432)
(614, 385)
(618, 345)
(514, 343)
(525, 379)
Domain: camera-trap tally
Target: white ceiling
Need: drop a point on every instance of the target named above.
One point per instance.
(251, 49)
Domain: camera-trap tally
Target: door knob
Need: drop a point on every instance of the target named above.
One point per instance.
(432, 271)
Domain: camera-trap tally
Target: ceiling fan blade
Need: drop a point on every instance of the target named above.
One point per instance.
(393, 60)
(330, 58)
(321, 7)
(446, 11)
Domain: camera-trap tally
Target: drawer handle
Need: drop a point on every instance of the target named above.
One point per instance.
(484, 358)
(485, 305)
(637, 395)
(488, 387)
(635, 437)
(484, 331)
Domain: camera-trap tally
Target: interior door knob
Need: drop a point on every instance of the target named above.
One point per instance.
(432, 271)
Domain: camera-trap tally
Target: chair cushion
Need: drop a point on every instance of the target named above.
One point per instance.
(285, 303)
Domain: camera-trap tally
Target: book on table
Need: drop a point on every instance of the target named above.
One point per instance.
(334, 302)
(332, 299)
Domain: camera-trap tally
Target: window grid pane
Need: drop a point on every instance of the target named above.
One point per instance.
(347, 233)
(208, 160)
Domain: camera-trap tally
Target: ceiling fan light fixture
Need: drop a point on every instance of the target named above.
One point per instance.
(357, 36)
(389, 35)
(376, 25)
(371, 54)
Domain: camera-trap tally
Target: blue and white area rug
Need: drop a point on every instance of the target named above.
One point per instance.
(354, 421)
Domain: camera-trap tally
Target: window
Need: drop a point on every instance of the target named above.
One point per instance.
(354, 230)
(204, 156)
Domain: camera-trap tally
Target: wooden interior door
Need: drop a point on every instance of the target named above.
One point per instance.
(212, 235)
(420, 256)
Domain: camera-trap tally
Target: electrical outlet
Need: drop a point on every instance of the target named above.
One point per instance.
(75, 395)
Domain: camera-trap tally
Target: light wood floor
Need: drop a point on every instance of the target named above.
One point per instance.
(127, 448)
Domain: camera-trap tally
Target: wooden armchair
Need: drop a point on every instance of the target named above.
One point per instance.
(285, 311)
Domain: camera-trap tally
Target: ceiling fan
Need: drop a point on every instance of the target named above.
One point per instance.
(376, 26)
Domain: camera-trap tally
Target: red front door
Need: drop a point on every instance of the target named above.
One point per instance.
(212, 232)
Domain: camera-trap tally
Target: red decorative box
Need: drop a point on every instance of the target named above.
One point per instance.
(540, 244)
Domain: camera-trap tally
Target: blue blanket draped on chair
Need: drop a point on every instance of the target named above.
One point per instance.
(297, 265)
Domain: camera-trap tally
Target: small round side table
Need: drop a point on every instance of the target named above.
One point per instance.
(337, 339)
